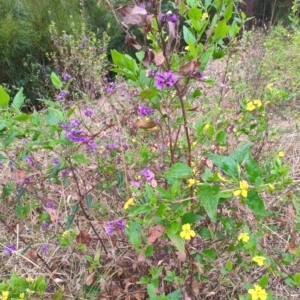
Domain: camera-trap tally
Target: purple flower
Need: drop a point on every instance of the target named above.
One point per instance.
(24, 141)
(145, 111)
(10, 248)
(173, 18)
(62, 95)
(151, 73)
(81, 46)
(110, 88)
(136, 184)
(44, 225)
(65, 173)
(164, 80)
(49, 204)
(163, 18)
(28, 159)
(91, 146)
(199, 75)
(149, 176)
(149, 4)
(55, 161)
(168, 17)
(44, 248)
(142, 5)
(66, 76)
(117, 225)
(112, 146)
(75, 123)
(26, 180)
(84, 39)
(88, 112)
(65, 36)
(77, 136)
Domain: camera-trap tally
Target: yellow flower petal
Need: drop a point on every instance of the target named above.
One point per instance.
(281, 154)
(204, 16)
(244, 193)
(244, 236)
(191, 182)
(237, 192)
(259, 260)
(186, 227)
(244, 185)
(129, 202)
(250, 106)
(257, 102)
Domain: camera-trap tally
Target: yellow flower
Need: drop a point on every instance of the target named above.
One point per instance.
(206, 127)
(5, 295)
(281, 154)
(191, 182)
(259, 260)
(204, 16)
(271, 188)
(129, 202)
(258, 293)
(22, 296)
(32, 280)
(257, 102)
(250, 106)
(269, 86)
(187, 48)
(243, 189)
(65, 234)
(186, 232)
(244, 236)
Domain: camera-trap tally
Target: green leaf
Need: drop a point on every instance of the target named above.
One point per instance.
(226, 163)
(22, 117)
(208, 196)
(54, 116)
(134, 233)
(22, 210)
(149, 251)
(264, 280)
(297, 278)
(140, 209)
(177, 241)
(179, 171)
(18, 99)
(252, 169)
(240, 153)
(221, 136)
(222, 29)
(71, 217)
(188, 36)
(190, 218)
(195, 13)
(8, 140)
(255, 203)
(80, 158)
(56, 81)
(88, 200)
(4, 97)
(35, 119)
(192, 3)
(229, 265)
(206, 57)
(176, 295)
(124, 61)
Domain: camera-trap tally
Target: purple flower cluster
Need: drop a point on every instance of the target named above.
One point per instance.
(62, 94)
(164, 80)
(44, 248)
(145, 111)
(77, 135)
(45, 225)
(117, 225)
(28, 159)
(49, 204)
(168, 17)
(65, 173)
(110, 88)
(66, 76)
(151, 73)
(198, 75)
(10, 248)
(88, 112)
(55, 161)
(147, 174)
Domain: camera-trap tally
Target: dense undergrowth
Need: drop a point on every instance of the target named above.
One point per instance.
(178, 180)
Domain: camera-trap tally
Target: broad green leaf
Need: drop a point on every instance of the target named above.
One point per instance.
(18, 99)
(297, 278)
(177, 241)
(192, 3)
(4, 97)
(124, 61)
(8, 140)
(208, 196)
(222, 29)
(221, 136)
(190, 218)
(150, 195)
(22, 117)
(176, 295)
(252, 169)
(54, 116)
(188, 36)
(134, 233)
(226, 163)
(80, 158)
(165, 193)
(264, 280)
(240, 153)
(206, 57)
(35, 119)
(195, 13)
(255, 203)
(71, 217)
(139, 209)
(56, 81)
(179, 171)
(149, 251)
(148, 94)
(3, 125)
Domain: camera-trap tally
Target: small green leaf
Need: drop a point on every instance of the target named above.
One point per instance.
(134, 233)
(179, 171)
(88, 200)
(71, 217)
(297, 278)
(255, 203)
(229, 265)
(56, 81)
(176, 295)
(190, 218)
(263, 281)
(208, 196)
(206, 57)
(226, 163)
(140, 209)
(4, 97)
(177, 241)
(8, 140)
(252, 169)
(188, 36)
(18, 99)
(22, 117)
(149, 251)
(221, 136)
(240, 153)
(80, 158)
